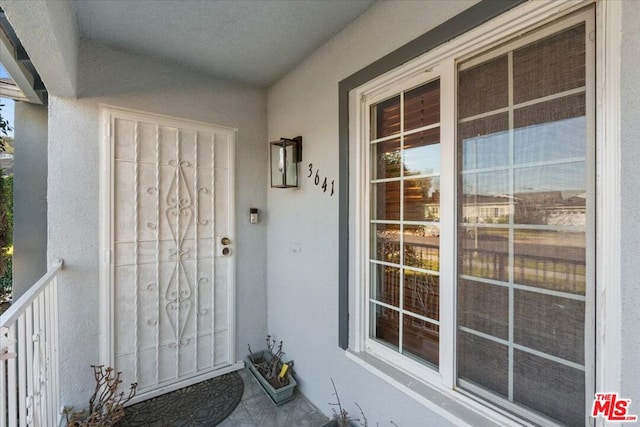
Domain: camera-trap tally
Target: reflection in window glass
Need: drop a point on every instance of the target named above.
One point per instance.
(385, 284)
(386, 196)
(421, 246)
(385, 118)
(421, 153)
(385, 325)
(387, 242)
(420, 339)
(485, 142)
(422, 106)
(421, 195)
(387, 159)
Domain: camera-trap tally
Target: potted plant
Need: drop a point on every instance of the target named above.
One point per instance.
(272, 373)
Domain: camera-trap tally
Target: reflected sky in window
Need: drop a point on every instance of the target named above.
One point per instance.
(533, 146)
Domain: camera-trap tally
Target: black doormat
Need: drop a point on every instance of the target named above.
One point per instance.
(202, 404)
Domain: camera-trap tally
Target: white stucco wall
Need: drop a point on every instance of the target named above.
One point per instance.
(132, 81)
(29, 196)
(303, 287)
(630, 202)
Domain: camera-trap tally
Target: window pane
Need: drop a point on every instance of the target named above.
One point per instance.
(552, 130)
(483, 88)
(482, 193)
(385, 284)
(422, 106)
(549, 66)
(421, 246)
(484, 308)
(387, 159)
(385, 325)
(485, 142)
(422, 294)
(550, 388)
(420, 339)
(421, 196)
(386, 200)
(387, 242)
(385, 118)
(550, 259)
(565, 177)
(483, 362)
(422, 153)
(551, 194)
(550, 324)
(484, 252)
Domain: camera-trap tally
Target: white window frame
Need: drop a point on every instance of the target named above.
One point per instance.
(441, 62)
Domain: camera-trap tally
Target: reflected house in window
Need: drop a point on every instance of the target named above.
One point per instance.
(545, 207)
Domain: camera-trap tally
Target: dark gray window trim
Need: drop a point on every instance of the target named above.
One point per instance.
(459, 24)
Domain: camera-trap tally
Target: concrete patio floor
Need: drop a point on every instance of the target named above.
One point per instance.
(256, 409)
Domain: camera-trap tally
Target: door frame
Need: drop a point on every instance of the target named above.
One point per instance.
(106, 268)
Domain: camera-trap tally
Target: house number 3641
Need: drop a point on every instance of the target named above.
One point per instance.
(320, 181)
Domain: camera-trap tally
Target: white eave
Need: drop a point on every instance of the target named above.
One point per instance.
(22, 86)
(8, 89)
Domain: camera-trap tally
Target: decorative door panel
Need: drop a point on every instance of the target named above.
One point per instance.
(171, 275)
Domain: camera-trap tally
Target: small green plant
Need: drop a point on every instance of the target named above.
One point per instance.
(6, 212)
(6, 281)
(106, 405)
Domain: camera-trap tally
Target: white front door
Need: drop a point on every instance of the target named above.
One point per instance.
(169, 245)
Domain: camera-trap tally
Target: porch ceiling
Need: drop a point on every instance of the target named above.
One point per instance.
(252, 41)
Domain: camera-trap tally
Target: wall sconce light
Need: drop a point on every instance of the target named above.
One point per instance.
(285, 156)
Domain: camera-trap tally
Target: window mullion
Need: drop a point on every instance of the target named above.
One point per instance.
(510, 268)
(447, 223)
(402, 260)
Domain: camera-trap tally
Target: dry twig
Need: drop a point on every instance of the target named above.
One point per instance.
(106, 405)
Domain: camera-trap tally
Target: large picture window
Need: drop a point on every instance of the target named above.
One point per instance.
(512, 127)
(522, 148)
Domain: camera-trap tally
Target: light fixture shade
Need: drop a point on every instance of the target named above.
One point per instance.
(285, 155)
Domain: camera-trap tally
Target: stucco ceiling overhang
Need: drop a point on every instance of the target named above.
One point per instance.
(249, 41)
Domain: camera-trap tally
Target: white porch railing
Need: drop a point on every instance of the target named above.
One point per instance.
(29, 392)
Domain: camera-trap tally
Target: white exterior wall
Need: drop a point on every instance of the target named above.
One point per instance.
(108, 76)
(630, 203)
(303, 287)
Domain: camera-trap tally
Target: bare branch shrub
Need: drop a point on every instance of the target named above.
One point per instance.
(106, 405)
